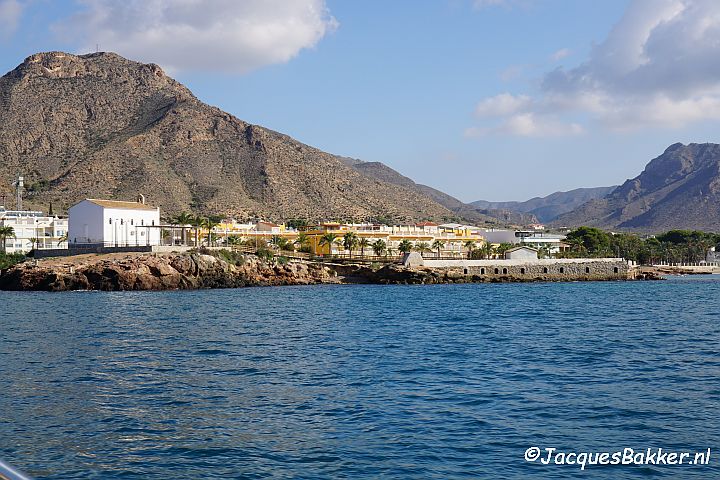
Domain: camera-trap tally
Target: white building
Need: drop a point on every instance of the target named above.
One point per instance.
(33, 229)
(521, 253)
(113, 223)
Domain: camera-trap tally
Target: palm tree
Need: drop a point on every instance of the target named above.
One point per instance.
(301, 240)
(470, 245)
(328, 239)
(183, 219)
(405, 246)
(233, 240)
(33, 242)
(363, 243)
(350, 242)
(504, 247)
(5, 233)
(209, 223)
(63, 239)
(438, 245)
(422, 247)
(197, 222)
(379, 247)
(487, 250)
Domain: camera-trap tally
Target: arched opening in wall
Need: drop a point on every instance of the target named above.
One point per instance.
(482, 271)
(616, 270)
(504, 271)
(522, 271)
(587, 269)
(562, 269)
(545, 270)
(497, 271)
(465, 270)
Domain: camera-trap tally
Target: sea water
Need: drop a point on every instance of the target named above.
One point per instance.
(442, 381)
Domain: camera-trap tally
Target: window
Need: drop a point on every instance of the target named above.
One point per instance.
(132, 222)
(545, 270)
(465, 270)
(122, 221)
(616, 270)
(587, 269)
(522, 271)
(497, 271)
(110, 221)
(562, 269)
(482, 271)
(153, 223)
(142, 222)
(504, 271)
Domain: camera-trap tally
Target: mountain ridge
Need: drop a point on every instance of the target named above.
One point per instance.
(551, 206)
(679, 189)
(99, 125)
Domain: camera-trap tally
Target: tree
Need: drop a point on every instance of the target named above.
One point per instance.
(503, 247)
(405, 246)
(233, 240)
(301, 240)
(183, 219)
(422, 247)
(5, 233)
(33, 242)
(196, 223)
(470, 245)
(594, 240)
(438, 245)
(487, 250)
(363, 243)
(379, 247)
(209, 223)
(280, 243)
(328, 239)
(350, 241)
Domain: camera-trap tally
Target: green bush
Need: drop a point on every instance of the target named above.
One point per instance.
(7, 260)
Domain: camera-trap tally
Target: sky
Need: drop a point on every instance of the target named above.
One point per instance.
(484, 99)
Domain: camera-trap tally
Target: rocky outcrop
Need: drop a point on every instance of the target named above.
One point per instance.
(161, 272)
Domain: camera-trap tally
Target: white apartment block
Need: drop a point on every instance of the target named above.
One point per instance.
(33, 229)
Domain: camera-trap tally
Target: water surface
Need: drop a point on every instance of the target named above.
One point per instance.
(444, 381)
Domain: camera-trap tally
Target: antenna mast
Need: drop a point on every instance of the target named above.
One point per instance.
(18, 184)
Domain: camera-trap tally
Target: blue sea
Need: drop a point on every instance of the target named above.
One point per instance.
(334, 382)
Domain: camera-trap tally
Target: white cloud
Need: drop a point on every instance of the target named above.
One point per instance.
(657, 68)
(528, 125)
(560, 54)
(10, 11)
(221, 35)
(502, 105)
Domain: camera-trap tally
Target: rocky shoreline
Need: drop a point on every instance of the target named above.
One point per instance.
(189, 271)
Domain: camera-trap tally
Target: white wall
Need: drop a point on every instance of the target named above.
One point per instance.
(85, 223)
(130, 227)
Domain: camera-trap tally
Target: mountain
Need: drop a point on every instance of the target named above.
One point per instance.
(100, 125)
(550, 207)
(382, 172)
(679, 189)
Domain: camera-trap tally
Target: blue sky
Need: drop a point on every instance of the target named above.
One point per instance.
(483, 99)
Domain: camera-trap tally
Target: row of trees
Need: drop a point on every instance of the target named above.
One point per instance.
(675, 246)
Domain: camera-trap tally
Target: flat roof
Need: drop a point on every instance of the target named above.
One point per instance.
(117, 204)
